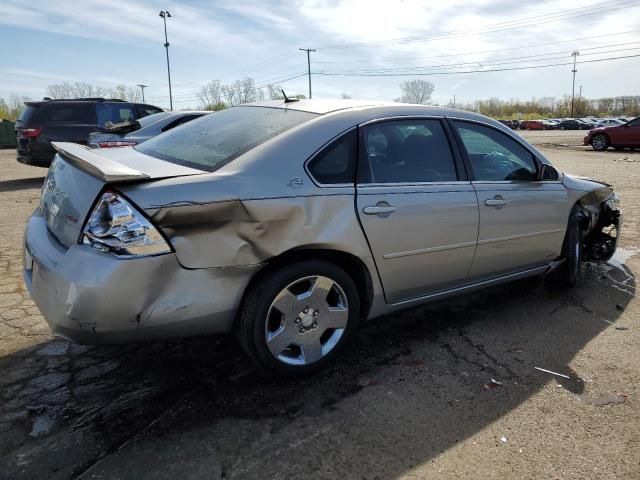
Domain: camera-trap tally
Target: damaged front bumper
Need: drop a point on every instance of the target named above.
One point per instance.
(602, 240)
(93, 297)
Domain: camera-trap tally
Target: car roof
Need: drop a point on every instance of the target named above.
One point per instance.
(331, 106)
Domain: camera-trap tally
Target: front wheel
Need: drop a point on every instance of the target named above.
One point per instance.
(600, 142)
(296, 318)
(566, 275)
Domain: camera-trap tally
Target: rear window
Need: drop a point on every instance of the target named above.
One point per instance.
(27, 114)
(211, 142)
(144, 110)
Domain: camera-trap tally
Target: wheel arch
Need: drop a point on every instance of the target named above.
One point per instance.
(349, 262)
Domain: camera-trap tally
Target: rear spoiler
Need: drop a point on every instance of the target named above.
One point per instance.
(100, 167)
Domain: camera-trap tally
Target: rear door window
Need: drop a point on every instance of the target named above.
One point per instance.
(80, 113)
(408, 151)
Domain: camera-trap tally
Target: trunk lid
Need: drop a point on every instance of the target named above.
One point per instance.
(78, 174)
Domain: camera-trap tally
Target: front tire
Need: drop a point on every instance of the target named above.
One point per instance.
(566, 275)
(600, 142)
(296, 318)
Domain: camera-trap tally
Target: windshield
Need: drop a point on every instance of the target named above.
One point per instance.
(210, 142)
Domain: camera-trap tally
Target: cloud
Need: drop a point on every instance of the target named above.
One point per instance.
(228, 39)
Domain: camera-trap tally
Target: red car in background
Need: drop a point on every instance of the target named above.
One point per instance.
(531, 125)
(621, 136)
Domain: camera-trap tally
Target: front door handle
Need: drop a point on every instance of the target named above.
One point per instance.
(496, 201)
(382, 208)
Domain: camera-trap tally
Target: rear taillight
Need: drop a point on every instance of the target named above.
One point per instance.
(119, 143)
(117, 227)
(30, 132)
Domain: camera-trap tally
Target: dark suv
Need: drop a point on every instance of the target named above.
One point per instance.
(68, 121)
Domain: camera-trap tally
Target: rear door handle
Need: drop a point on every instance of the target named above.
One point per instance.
(379, 209)
(496, 201)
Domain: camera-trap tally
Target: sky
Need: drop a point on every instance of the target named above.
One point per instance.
(364, 48)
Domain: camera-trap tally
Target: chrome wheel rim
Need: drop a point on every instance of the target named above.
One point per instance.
(599, 141)
(306, 320)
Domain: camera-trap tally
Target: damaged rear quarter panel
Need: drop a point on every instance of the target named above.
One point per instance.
(247, 232)
(260, 205)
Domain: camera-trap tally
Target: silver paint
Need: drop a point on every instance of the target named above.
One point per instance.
(430, 240)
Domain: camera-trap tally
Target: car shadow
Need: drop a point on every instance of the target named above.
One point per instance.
(409, 387)
(21, 184)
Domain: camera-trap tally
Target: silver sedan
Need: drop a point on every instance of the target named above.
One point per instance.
(290, 222)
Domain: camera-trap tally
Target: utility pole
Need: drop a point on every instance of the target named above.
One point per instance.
(454, 101)
(573, 87)
(142, 87)
(165, 14)
(308, 50)
(580, 94)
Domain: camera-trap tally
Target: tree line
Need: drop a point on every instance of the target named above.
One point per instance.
(216, 95)
(552, 107)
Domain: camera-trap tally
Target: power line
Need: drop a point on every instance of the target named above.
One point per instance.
(498, 61)
(498, 27)
(424, 74)
(397, 59)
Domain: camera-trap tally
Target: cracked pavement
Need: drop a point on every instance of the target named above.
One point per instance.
(447, 390)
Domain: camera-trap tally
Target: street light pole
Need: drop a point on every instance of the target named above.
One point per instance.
(308, 50)
(142, 87)
(165, 14)
(573, 88)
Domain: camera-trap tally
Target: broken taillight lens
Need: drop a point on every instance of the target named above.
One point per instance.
(115, 226)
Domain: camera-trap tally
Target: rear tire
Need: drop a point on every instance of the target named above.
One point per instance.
(297, 318)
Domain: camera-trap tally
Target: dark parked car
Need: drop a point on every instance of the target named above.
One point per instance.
(68, 121)
(137, 131)
(621, 136)
(573, 124)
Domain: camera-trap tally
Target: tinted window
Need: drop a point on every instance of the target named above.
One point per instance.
(179, 121)
(214, 140)
(114, 112)
(80, 113)
(144, 110)
(27, 114)
(336, 163)
(495, 156)
(149, 119)
(409, 151)
(634, 123)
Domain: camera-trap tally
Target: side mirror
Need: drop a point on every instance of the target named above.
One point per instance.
(548, 172)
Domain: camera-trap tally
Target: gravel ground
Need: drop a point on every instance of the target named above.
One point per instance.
(413, 396)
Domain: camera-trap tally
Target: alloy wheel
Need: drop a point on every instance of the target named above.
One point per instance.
(599, 142)
(306, 320)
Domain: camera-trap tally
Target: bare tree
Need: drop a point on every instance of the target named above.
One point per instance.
(345, 96)
(210, 94)
(416, 91)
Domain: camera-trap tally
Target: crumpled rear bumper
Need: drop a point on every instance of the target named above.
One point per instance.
(95, 298)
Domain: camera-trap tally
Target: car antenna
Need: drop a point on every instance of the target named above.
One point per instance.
(287, 99)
